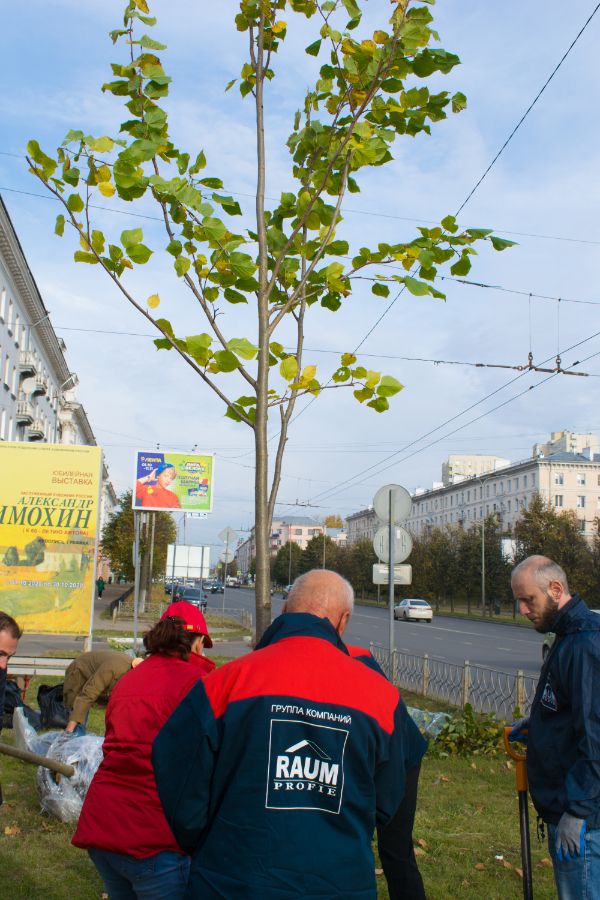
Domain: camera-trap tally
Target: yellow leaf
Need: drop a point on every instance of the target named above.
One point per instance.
(103, 174)
(153, 301)
(379, 871)
(278, 27)
(423, 843)
(519, 872)
(480, 867)
(545, 862)
(308, 373)
(106, 188)
(11, 830)
(380, 37)
(83, 243)
(444, 778)
(506, 864)
(418, 851)
(141, 4)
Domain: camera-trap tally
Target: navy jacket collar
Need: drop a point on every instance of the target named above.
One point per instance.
(301, 625)
(575, 616)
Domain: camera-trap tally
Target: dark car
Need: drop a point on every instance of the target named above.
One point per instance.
(192, 595)
(217, 587)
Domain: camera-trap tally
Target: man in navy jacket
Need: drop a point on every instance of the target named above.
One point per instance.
(274, 770)
(9, 638)
(563, 740)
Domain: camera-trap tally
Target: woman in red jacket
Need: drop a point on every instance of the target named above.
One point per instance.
(122, 823)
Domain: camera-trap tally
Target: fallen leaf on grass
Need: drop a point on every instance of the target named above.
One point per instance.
(509, 765)
(441, 778)
(480, 867)
(507, 864)
(379, 871)
(473, 766)
(545, 862)
(519, 872)
(423, 843)
(419, 851)
(10, 830)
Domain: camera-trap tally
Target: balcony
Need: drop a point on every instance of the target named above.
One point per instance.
(25, 412)
(40, 385)
(27, 364)
(35, 432)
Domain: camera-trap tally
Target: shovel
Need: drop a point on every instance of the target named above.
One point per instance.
(59, 768)
(521, 777)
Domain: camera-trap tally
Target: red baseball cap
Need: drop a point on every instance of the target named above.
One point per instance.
(193, 618)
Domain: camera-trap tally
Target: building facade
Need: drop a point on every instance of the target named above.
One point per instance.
(565, 480)
(37, 388)
(361, 525)
(297, 529)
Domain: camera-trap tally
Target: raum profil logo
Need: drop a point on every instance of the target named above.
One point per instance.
(306, 766)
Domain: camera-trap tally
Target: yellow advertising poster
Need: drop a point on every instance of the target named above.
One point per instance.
(49, 509)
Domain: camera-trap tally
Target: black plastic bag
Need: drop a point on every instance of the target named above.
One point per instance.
(12, 699)
(50, 701)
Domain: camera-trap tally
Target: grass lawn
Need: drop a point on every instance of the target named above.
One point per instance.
(467, 815)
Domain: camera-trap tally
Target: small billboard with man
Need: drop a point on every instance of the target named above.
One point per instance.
(169, 480)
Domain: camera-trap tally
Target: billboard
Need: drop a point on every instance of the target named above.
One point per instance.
(187, 561)
(166, 480)
(49, 510)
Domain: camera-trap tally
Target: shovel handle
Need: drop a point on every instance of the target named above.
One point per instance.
(520, 759)
(36, 760)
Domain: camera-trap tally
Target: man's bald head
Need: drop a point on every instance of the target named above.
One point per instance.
(322, 593)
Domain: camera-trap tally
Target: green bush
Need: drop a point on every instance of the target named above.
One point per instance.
(469, 734)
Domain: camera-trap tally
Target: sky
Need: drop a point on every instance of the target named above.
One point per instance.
(543, 193)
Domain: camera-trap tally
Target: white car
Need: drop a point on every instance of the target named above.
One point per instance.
(413, 609)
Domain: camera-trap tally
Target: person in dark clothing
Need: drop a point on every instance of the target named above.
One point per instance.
(274, 770)
(395, 840)
(563, 729)
(10, 634)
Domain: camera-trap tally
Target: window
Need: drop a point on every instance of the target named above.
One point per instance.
(581, 478)
(581, 501)
(533, 480)
(581, 524)
(558, 500)
(508, 505)
(516, 484)
(6, 369)
(3, 430)
(509, 486)
(469, 492)
(524, 481)
(598, 480)
(559, 478)
(298, 531)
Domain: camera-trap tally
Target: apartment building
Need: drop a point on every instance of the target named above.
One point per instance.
(295, 529)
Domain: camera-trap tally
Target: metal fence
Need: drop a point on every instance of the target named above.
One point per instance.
(153, 610)
(487, 690)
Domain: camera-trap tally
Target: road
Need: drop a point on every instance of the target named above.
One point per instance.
(497, 646)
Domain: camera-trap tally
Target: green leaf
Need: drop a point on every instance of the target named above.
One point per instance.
(162, 344)
(174, 248)
(388, 386)
(75, 203)
(182, 265)
(242, 265)
(348, 359)
(139, 253)
(149, 44)
(380, 290)
(211, 182)
(363, 394)
(199, 164)
(230, 413)
(80, 256)
(230, 84)
(38, 156)
(134, 236)
(459, 102)
(499, 243)
(449, 224)
(461, 267)
(100, 145)
(243, 348)
(379, 404)
(234, 296)
(214, 229)
(288, 368)
(418, 288)
(226, 361)
(59, 228)
(313, 49)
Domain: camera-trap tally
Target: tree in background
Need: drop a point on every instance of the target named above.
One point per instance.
(287, 565)
(116, 540)
(371, 89)
(556, 534)
(333, 521)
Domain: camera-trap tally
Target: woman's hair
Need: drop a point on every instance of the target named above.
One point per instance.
(169, 638)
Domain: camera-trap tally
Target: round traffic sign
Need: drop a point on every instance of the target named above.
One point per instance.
(227, 556)
(401, 503)
(402, 543)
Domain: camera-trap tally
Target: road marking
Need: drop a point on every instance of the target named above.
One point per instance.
(509, 649)
(468, 643)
